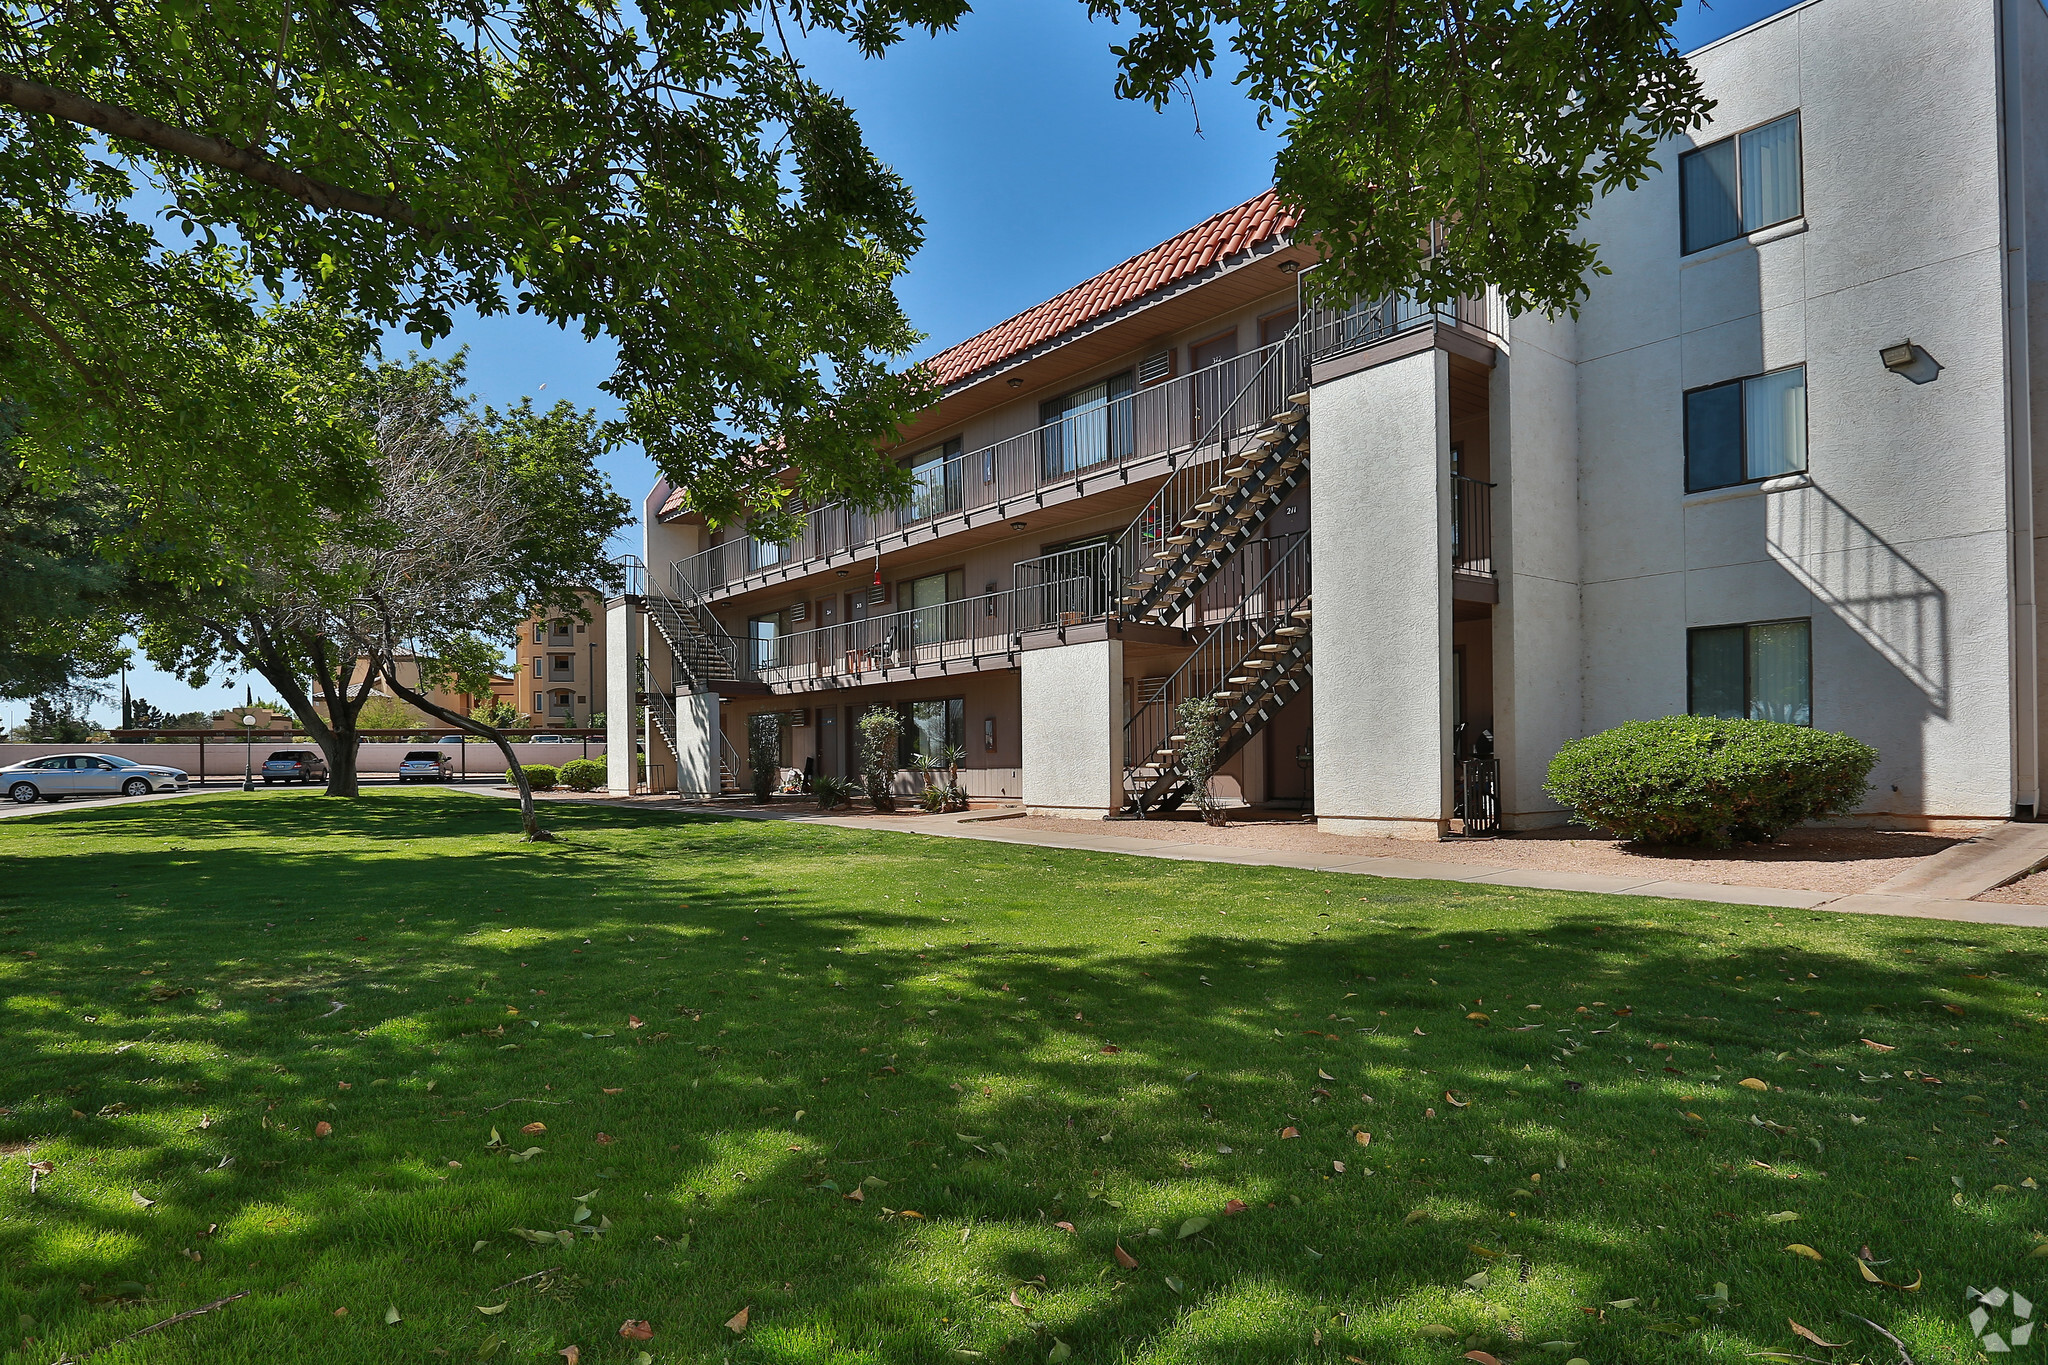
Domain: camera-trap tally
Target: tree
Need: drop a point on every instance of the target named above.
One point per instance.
(881, 735)
(1439, 146)
(57, 720)
(534, 500)
(1201, 753)
(691, 193)
(61, 601)
(484, 522)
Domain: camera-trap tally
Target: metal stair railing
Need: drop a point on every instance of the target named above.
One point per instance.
(1201, 515)
(1262, 635)
(704, 653)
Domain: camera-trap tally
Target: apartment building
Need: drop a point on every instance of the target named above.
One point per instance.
(1780, 465)
(559, 668)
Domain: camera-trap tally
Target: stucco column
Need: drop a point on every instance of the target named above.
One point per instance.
(697, 744)
(1380, 543)
(623, 625)
(1073, 728)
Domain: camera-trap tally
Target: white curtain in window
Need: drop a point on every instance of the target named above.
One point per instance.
(1780, 673)
(1770, 174)
(1774, 413)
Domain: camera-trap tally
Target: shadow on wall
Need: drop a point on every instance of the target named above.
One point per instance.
(1871, 586)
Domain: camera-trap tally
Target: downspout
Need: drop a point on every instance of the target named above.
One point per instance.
(2026, 720)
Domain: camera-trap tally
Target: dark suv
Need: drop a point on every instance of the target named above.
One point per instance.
(295, 765)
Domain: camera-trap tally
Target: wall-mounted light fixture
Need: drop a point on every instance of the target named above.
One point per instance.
(988, 734)
(1908, 358)
(1016, 381)
(1289, 267)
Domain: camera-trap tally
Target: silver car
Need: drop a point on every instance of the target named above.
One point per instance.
(426, 765)
(56, 776)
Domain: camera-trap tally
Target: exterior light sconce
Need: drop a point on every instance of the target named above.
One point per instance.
(1016, 381)
(1289, 267)
(1911, 360)
(1018, 525)
(842, 573)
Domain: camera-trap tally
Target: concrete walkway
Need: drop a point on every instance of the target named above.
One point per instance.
(989, 827)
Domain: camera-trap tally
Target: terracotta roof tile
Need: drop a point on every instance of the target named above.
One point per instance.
(1232, 232)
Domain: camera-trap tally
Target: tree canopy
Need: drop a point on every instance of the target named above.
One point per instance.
(682, 186)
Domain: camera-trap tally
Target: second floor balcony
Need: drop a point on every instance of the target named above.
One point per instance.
(1111, 436)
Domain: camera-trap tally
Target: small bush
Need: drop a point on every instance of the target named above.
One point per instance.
(539, 776)
(583, 775)
(832, 791)
(881, 731)
(1698, 780)
(935, 800)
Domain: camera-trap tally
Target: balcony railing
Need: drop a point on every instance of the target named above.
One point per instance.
(1333, 332)
(1471, 526)
(1163, 420)
(967, 631)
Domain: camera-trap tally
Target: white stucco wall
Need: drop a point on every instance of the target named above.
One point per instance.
(1380, 543)
(1898, 550)
(697, 744)
(1537, 637)
(623, 627)
(1073, 728)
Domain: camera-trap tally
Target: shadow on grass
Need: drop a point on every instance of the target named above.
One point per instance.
(1006, 1039)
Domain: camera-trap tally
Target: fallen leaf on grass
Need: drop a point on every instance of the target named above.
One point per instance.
(1231, 1206)
(606, 1139)
(1124, 1258)
(1482, 1357)
(142, 1201)
(1338, 1166)
(1064, 1227)
(391, 1318)
(854, 1196)
(1364, 1138)
(1871, 1276)
(1786, 1217)
(1193, 1226)
(322, 1129)
(1879, 1047)
(534, 1129)
(1415, 1217)
(614, 1090)
(572, 1354)
(1060, 1351)
(1752, 1083)
(1455, 1102)
(1814, 1337)
(493, 1312)
(637, 1329)
(1111, 1047)
(736, 1324)
(1175, 1285)
(1802, 1249)
(1290, 1132)
(1437, 1331)
(633, 1021)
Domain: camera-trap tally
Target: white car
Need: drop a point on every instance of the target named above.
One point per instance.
(56, 776)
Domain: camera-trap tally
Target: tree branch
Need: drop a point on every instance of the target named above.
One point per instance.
(118, 122)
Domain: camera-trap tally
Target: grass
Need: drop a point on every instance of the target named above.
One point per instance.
(731, 1030)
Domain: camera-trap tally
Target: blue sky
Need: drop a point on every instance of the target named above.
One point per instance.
(1030, 174)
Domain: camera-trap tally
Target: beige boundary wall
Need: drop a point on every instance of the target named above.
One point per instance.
(224, 760)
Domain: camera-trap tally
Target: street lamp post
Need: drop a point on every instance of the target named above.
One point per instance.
(248, 754)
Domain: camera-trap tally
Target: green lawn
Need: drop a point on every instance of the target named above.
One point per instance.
(902, 1099)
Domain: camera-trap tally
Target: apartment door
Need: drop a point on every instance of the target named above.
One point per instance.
(1213, 386)
(831, 756)
(827, 642)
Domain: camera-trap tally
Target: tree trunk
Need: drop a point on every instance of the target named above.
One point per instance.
(343, 749)
(529, 821)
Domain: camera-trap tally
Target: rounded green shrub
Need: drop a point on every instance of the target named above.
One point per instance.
(1698, 780)
(542, 777)
(583, 775)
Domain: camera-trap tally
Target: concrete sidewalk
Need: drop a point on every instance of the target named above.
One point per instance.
(988, 827)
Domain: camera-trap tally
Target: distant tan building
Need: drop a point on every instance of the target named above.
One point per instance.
(502, 689)
(560, 673)
(230, 719)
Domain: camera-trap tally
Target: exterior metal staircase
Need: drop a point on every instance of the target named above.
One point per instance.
(1210, 507)
(705, 654)
(661, 711)
(1251, 664)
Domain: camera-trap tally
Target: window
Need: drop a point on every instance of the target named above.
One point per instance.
(935, 481)
(540, 633)
(1751, 672)
(1746, 430)
(765, 554)
(925, 600)
(765, 639)
(929, 727)
(536, 666)
(1086, 428)
(1740, 184)
(538, 705)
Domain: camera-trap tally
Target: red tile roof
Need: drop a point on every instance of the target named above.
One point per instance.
(1251, 224)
